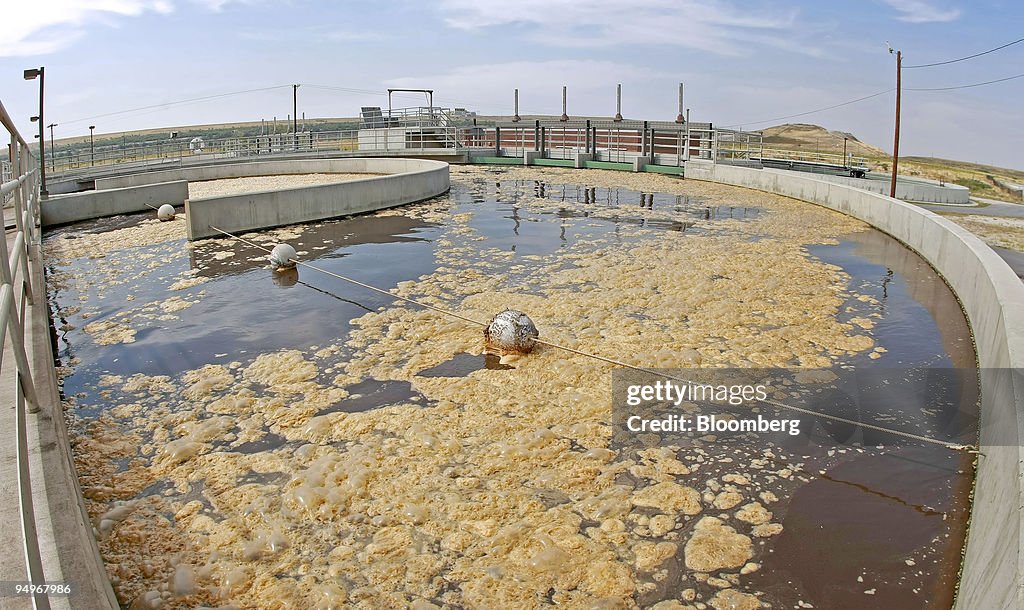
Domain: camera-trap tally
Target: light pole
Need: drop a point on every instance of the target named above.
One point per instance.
(92, 148)
(31, 74)
(53, 158)
(844, 151)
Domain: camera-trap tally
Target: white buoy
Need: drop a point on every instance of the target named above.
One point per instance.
(166, 212)
(511, 332)
(282, 257)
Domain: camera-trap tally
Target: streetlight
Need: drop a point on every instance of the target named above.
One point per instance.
(31, 74)
(53, 158)
(844, 151)
(92, 150)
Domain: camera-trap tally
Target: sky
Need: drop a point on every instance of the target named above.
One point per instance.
(745, 64)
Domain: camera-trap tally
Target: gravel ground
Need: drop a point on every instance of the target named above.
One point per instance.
(1003, 232)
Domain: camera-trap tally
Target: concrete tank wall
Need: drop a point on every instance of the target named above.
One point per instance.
(917, 189)
(409, 180)
(76, 207)
(360, 165)
(993, 300)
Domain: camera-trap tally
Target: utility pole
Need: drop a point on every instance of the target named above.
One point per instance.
(53, 160)
(679, 117)
(295, 114)
(896, 138)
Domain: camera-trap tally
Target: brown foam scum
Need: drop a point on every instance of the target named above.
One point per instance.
(502, 490)
(250, 184)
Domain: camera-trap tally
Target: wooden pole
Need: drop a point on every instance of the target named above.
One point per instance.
(896, 138)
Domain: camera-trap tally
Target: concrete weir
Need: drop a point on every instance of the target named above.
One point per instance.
(405, 181)
(993, 298)
(76, 207)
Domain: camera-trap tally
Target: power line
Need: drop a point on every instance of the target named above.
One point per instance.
(174, 103)
(988, 82)
(793, 116)
(953, 61)
(396, 94)
(873, 95)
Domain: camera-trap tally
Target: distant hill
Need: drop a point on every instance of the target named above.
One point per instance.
(814, 138)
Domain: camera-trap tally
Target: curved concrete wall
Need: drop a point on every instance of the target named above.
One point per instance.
(245, 169)
(907, 189)
(993, 300)
(407, 181)
(75, 207)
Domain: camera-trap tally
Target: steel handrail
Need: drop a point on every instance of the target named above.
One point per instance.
(670, 142)
(15, 275)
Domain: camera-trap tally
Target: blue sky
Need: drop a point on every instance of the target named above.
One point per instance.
(743, 62)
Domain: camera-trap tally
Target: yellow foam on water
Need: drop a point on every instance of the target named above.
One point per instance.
(505, 484)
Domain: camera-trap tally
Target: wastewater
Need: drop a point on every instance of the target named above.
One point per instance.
(293, 439)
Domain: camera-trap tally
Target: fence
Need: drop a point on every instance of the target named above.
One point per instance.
(663, 143)
(20, 192)
(417, 129)
(427, 130)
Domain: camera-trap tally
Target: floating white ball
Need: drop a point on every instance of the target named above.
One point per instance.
(512, 332)
(282, 257)
(165, 212)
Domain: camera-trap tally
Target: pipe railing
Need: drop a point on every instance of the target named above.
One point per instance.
(808, 156)
(17, 294)
(425, 130)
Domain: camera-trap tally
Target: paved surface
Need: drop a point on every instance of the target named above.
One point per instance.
(994, 208)
(1013, 258)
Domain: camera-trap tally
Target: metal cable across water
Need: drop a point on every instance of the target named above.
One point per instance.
(774, 403)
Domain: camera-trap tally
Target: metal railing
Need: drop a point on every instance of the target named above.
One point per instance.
(416, 129)
(662, 143)
(21, 191)
(174, 152)
(426, 130)
(807, 156)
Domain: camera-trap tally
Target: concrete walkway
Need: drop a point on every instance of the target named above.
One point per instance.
(994, 208)
(1000, 209)
(1013, 258)
(68, 551)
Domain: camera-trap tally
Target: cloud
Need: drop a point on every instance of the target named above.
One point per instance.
(919, 11)
(710, 25)
(46, 26)
(311, 35)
